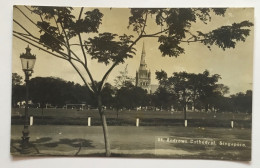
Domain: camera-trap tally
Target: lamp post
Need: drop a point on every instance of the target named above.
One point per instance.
(28, 61)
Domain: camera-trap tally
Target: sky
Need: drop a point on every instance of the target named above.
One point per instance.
(234, 65)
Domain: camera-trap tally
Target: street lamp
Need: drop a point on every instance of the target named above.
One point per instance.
(28, 61)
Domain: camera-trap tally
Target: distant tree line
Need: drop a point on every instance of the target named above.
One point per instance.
(198, 92)
(50, 90)
(180, 92)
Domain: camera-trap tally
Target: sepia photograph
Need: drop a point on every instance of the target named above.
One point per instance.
(173, 83)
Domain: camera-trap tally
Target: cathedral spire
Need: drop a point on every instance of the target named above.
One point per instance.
(143, 75)
(143, 56)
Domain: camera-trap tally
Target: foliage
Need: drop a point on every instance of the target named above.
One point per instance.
(106, 49)
(202, 91)
(123, 79)
(161, 75)
(198, 90)
(18, 94)
(242, 101)
(131, 97)
(177, 23)
(57, 92)
(108, 93)
(18, 90)
(16, 79)
(226, 36)
(59, 26)
(164, 99)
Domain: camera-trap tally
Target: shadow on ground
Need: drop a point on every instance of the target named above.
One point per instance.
(46, 142)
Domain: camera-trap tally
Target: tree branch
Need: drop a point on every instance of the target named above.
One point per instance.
(67, 40)
(150, 36)
(85, 65)
(154, 34)
(68, 46)
(80, 40)
(84, 55)
(70, 59)
(115, 63)
(184, 41)
(145, 20)
(91, 79)
(80, 13)
(79, 45)
(57, 25)
(39, 39)
(40, 27)
(24, 29)
(192, 41)
(25, 36)
(22, 34)
(39, 47)
(59, 52)
(34, 12)
(81, 76)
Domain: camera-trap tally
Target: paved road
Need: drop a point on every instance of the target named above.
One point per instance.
(175, 142)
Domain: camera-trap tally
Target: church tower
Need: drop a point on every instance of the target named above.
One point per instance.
(143, 75)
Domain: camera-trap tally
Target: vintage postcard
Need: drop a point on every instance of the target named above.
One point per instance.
(132, 82)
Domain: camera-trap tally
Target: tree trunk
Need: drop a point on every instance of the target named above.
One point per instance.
(42, 112)
(184, 111)
(104, 126)
(206, 108)
(193, 105)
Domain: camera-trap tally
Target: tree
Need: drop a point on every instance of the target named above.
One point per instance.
(198, 90)
(223, 104)
(242, 101)
(123, 79)
(180, 84)
(18, 90)
(107, 94)
(131, 96)
(122, 83)
(58, 27)
(204, 88)
(161, 76)
(56, 91)
(163, 98)
(216, 97)
(16, 79)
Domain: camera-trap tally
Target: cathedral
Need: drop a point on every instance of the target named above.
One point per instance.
(143, 75)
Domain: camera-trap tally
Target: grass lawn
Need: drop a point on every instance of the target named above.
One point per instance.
(128, 118)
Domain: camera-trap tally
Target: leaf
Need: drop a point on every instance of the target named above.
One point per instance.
(108, 47)
(227, 36)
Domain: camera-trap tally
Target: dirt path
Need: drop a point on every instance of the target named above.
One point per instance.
(173, 142)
